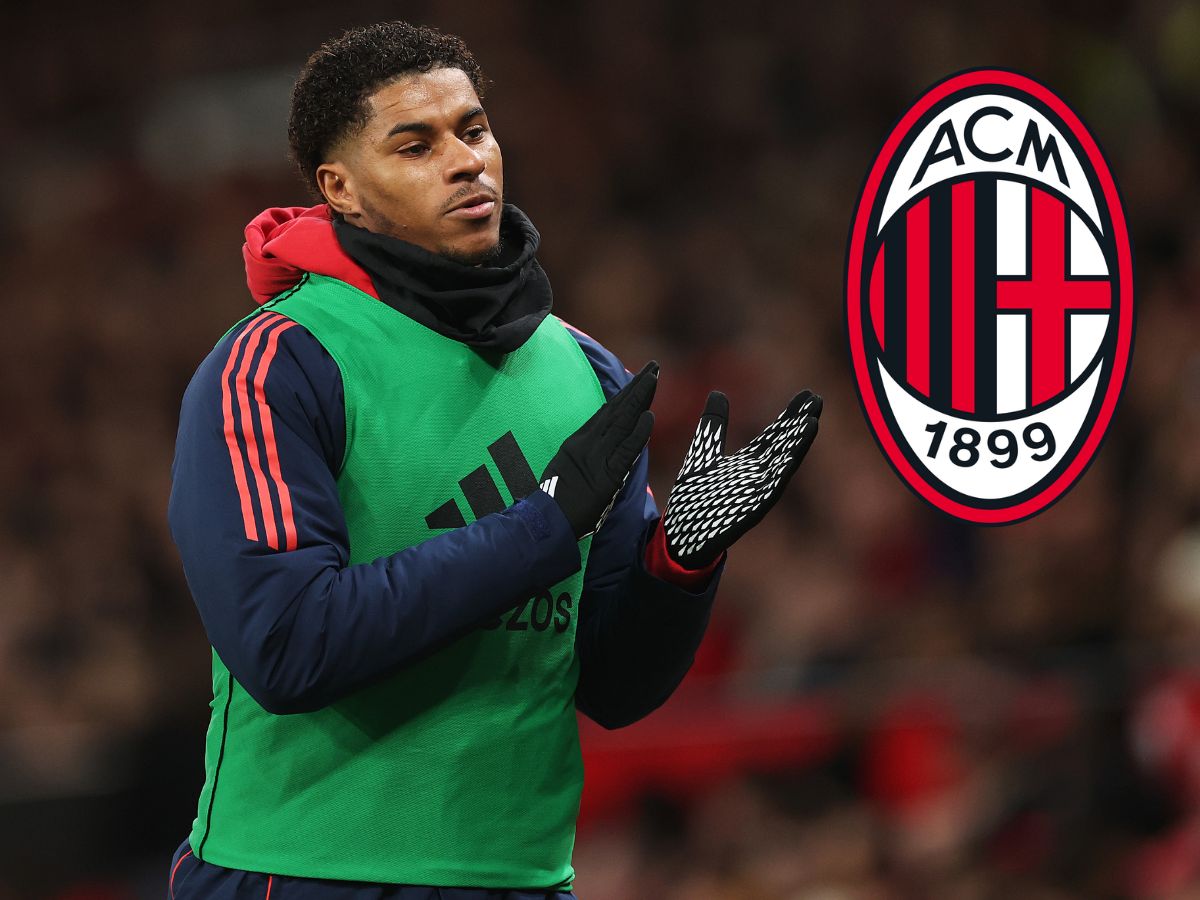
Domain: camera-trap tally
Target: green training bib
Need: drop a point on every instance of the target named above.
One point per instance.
(463, 769)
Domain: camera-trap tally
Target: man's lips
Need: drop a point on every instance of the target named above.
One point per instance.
(476, 206)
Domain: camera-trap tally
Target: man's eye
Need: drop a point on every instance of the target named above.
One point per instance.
(412, 150)
(475, 133)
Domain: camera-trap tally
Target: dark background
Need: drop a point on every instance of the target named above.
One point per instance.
(889, 703)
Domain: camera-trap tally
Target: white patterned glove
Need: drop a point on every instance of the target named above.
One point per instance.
(718, 498)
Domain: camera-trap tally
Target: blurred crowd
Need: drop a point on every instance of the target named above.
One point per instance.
(962, 712)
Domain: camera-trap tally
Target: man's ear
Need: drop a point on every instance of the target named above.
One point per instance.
(337, 187)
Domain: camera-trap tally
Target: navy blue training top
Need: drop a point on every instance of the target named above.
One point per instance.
(300, 628)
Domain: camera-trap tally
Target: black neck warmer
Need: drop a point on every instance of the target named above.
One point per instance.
(496, 306)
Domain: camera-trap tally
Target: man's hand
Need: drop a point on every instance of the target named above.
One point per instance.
(717, 498)
(592, 464)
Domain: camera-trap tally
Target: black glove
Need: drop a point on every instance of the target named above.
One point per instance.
(592, 464)
(717, 498)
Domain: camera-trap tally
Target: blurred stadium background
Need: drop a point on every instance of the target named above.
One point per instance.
(888, 704)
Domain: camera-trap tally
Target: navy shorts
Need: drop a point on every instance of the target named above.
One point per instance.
(194, 879)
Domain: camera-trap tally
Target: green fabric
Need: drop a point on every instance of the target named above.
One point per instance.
(464, 768)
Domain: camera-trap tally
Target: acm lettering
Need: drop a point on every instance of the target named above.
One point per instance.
(1045, 151)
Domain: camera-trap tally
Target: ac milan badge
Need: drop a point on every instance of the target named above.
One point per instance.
(989, 297)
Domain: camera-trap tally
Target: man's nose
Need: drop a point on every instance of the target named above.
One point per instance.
(464, 162)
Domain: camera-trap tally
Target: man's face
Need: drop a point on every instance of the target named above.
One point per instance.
(425, 168)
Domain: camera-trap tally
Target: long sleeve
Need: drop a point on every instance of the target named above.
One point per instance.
(255, 513)
(637, 633)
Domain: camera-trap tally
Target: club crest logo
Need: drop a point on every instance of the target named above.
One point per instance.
(989, 297)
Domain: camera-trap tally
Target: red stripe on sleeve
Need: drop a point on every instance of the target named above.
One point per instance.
(962, 296)
(918, 296)
(268, 430)
(567, 325)
(178, 863)
(236, 459)
(260, 481)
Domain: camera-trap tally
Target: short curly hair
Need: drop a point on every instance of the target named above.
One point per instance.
(329, 100)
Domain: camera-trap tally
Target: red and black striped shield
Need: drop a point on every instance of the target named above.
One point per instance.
(989, 301)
